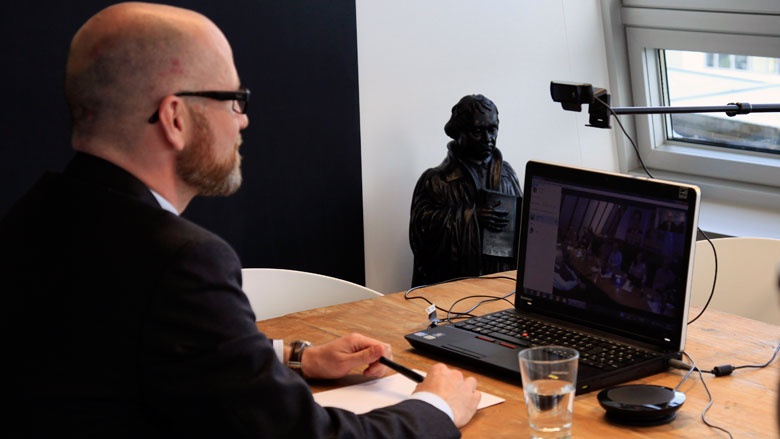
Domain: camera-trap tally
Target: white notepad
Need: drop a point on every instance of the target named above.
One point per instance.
(382, 392)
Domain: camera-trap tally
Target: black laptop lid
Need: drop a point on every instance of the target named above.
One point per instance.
(608, 251)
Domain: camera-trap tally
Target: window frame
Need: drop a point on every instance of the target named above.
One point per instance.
(649, 27)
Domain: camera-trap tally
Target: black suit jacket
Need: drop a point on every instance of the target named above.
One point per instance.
(128, 321)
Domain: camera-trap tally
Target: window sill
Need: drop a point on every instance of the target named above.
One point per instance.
(732, 209)
(734, 220)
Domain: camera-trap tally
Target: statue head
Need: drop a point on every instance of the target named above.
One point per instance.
(474, 127)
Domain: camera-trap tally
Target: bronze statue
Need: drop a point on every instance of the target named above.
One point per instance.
(464, 211)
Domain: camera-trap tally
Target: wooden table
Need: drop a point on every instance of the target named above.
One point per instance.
(745, 403)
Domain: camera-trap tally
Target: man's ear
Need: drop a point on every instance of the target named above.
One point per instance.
(174, 121)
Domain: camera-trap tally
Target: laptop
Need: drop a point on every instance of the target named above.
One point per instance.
(604, 265)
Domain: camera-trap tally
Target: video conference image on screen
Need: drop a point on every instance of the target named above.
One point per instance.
(615, 251)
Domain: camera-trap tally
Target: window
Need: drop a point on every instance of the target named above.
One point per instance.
(700, 79)
(699, 53)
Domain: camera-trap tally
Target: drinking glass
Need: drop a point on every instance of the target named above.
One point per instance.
(549, 376)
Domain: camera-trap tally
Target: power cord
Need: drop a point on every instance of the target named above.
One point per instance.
(724, 369)
(692, 367)
(718, 371)
(647, 171)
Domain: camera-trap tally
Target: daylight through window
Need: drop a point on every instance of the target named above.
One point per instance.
(715, 79)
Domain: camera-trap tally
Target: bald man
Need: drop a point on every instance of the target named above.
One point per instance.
(129, 321)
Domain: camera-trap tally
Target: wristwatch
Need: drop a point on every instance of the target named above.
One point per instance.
(296, 354)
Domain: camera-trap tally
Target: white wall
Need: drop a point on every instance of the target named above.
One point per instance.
(416, 59)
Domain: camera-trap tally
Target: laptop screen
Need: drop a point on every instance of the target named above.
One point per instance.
(608, 251)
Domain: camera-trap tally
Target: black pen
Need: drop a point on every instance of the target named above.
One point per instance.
(403, 370)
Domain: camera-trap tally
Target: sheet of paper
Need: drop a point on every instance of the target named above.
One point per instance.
(364, 397)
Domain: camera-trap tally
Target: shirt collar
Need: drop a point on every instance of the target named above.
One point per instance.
(165, 204)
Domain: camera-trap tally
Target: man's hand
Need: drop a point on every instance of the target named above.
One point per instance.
(337, 358)
(461, 394)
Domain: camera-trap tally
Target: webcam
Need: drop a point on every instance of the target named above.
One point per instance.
(572, 95)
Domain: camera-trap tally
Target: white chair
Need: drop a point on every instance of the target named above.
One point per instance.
(747, 282)
(275, 292)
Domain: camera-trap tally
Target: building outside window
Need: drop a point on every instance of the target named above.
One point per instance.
(703, 53)
(692, 78)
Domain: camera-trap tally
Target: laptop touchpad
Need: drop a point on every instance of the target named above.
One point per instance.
(475, 347)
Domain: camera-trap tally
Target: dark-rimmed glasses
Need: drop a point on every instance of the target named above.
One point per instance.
(240, 100)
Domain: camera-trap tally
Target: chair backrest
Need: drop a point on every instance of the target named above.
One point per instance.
(274, 292)
(747, 282)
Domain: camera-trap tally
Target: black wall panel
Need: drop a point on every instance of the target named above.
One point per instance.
(301, 203)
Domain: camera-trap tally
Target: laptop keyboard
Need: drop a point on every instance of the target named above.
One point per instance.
(510, 327)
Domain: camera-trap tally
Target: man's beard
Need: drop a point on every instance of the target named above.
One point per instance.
(197, 166)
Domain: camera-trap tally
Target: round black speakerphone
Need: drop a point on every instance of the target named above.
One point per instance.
(641, 404)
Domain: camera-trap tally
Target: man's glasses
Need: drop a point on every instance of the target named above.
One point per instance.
(240, 100)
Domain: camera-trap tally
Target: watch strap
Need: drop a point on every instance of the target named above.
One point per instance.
(296, 354)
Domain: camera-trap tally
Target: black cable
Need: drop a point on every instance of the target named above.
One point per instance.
(714, 276)
(407, 297)
(480, 303)
(647, 171)
(726, 369)
(449, 311)
(636, 148)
